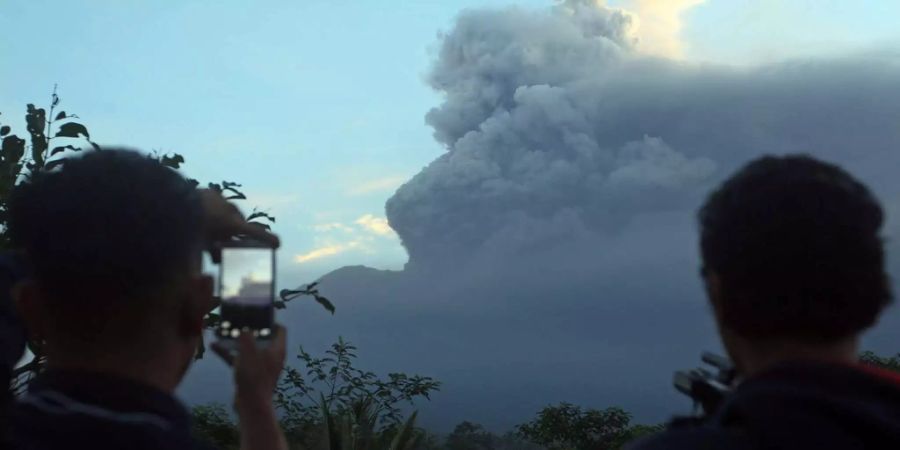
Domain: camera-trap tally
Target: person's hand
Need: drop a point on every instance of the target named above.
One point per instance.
(256, 369)
(223, 220)
(256, 372)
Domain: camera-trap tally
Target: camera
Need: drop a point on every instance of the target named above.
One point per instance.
(707, 388)
(246, 289)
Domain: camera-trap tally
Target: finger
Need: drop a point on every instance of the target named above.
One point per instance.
(259, 233)
(223, 353)
(246, 345)
(279, 342)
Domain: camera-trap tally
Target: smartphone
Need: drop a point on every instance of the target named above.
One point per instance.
(247, 290)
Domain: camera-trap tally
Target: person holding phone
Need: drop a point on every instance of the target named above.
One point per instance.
(113, 243)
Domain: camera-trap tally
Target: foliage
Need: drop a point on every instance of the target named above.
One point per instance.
(635, 432)
(70, 136)
(884, 362)
(568, 427)
(212, 424)
(472, 436)
(308, 290)
(333, 382)
(356, 428)
(329, 404)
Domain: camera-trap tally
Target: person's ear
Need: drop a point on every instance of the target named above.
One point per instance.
(29, 300)
(197, 304)
(713, 285)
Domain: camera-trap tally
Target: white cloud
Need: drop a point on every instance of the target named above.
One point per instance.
(333, 226)
(659, 24)
(373, 224)
(383, 184)
(326, 251)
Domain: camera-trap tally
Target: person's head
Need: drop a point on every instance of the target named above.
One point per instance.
(114, 241)
(792, 257)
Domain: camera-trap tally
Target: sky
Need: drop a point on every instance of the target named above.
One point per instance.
(317, 107)
(541, 163)
(242, 265)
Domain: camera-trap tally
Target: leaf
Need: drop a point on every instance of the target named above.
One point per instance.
(312, 285)
(60, 116)
(325, 303)
(62, 148)
(279, 304)
(35, 120)
(175, 161)
(260, 214)
(13, 149)
(55, 100)
(73, 130)
(4, 130)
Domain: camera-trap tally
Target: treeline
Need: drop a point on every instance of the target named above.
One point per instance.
(330, 404)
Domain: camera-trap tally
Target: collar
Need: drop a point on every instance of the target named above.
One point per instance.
(112, 393)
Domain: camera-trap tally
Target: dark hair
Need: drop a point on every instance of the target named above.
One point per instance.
(105, 235)
(795, 243)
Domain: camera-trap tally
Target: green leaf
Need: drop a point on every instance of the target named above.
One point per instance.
(61, 115)
(4, 130)
(175, 161)
(325, 303)
(73, 130)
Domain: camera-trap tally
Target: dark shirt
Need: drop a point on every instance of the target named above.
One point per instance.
(64, 410)
(799, 406)
(12, 337)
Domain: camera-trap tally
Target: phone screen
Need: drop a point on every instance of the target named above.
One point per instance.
(246, 289)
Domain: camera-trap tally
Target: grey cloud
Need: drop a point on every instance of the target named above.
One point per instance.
(552, 112)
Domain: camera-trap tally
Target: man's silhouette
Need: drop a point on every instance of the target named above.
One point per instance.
(113, 241)
(793, 265)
